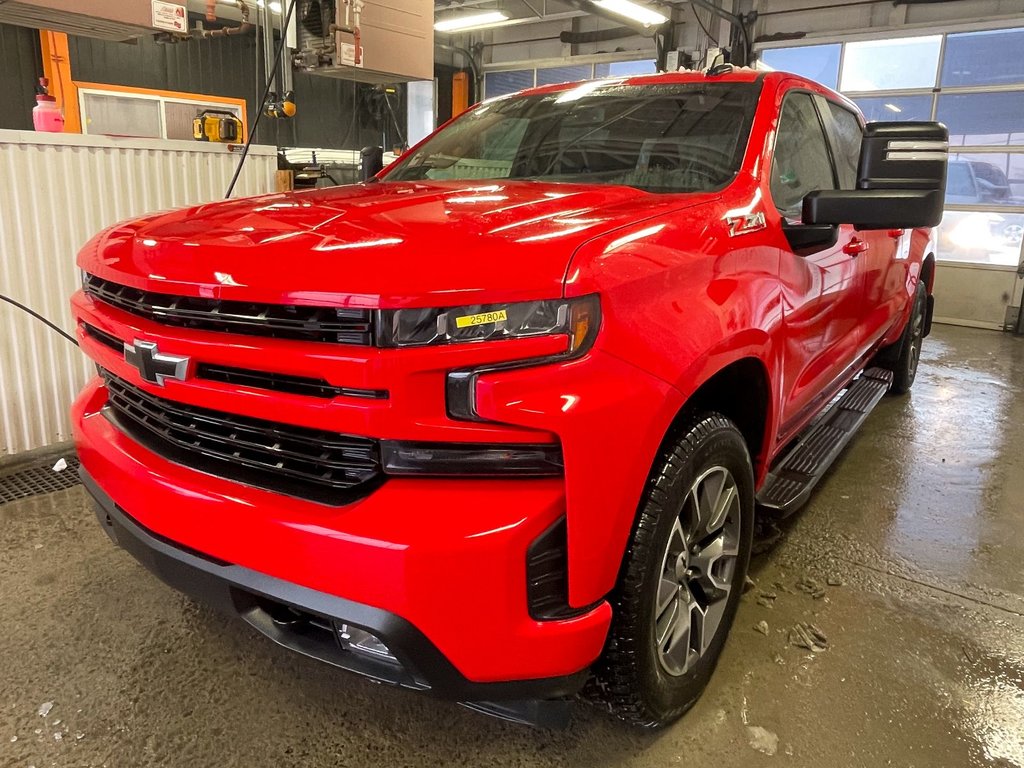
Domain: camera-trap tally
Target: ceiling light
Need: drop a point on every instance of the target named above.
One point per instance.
(275, 7)
(630, 10)
(475, 21)
(893, 108)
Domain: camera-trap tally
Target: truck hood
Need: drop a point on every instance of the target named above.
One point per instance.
(374, 245)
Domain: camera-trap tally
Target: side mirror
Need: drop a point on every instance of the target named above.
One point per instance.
(901, 180)
(371, 162)
(806, 239)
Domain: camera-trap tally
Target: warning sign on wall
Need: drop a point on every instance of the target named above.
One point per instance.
(169, 16)
(348, 55)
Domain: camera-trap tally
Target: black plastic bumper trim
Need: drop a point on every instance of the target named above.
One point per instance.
(241, 591)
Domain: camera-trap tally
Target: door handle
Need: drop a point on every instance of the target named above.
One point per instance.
(855, 246)
(895, 234)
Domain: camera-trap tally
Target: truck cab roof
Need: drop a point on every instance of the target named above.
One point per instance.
(734, 75)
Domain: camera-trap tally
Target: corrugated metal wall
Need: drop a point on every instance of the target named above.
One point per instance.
(57, 192)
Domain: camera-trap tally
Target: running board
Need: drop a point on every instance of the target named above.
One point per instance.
(791, 480)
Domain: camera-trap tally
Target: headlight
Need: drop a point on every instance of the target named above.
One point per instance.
(577, 319)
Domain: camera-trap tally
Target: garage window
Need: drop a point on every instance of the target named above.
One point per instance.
(983, 118)
(969, 59)
(815, 62)
(503, 83)
(888, 65)
(555, 75)
(895, 107)
(625, 68)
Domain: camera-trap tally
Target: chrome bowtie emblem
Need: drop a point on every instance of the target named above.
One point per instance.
(154, 366)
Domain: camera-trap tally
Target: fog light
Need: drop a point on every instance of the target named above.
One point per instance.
(360, 641)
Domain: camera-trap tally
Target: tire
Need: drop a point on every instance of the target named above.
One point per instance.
(664, 573)
(903, 357)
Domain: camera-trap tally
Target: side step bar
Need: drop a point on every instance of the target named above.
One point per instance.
(791, 480)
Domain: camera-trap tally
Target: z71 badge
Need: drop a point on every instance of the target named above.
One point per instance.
(741, 225)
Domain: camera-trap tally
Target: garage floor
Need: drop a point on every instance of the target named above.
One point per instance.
(915, 538)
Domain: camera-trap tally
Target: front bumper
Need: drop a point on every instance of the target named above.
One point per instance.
(445, 557)
(608, 416)
(306, 621)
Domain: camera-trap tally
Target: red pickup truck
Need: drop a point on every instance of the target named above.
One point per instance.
(497, 422)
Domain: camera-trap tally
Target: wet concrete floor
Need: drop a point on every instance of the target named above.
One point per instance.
(921, 521)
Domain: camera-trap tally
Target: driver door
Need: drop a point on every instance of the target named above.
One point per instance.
(822, 290)
(885, 265)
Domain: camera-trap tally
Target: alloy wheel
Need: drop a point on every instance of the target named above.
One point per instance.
(916, 339)
(697, 571)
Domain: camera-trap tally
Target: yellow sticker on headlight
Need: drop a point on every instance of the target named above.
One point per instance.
(482, 318)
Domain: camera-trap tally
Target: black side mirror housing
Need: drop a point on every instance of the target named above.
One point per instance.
(371, 162)
(901, 180)
(806, 239)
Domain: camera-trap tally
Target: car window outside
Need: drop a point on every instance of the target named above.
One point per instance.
(848, 136)
(800, 162)
(660, 138)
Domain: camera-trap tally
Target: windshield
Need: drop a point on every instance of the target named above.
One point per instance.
(660, 138)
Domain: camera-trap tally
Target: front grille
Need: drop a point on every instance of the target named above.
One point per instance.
(280, 382)
(327, 467)
(338, 325)
(107, 339)
(245, 377)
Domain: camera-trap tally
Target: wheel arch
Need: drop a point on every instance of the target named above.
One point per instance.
(740, 391)
(928, 279)
(928, 272)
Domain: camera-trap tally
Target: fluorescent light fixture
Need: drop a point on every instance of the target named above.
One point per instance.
(893, 108)
(475, 21)
(275, 7)
(633, 11)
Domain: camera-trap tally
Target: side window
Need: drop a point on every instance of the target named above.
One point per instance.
(847, 136)
(801, 163)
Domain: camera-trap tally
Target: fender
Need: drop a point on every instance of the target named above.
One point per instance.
(607, 462)
(681, 299)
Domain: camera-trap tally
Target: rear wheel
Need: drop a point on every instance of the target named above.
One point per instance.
(903, 357)
(682, 576)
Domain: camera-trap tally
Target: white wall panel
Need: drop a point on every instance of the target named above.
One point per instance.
(56, 192)
(975, 295)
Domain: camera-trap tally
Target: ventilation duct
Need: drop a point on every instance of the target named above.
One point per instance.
(105, 19)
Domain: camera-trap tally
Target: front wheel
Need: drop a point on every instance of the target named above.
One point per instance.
(905, 355)
(682, 576)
